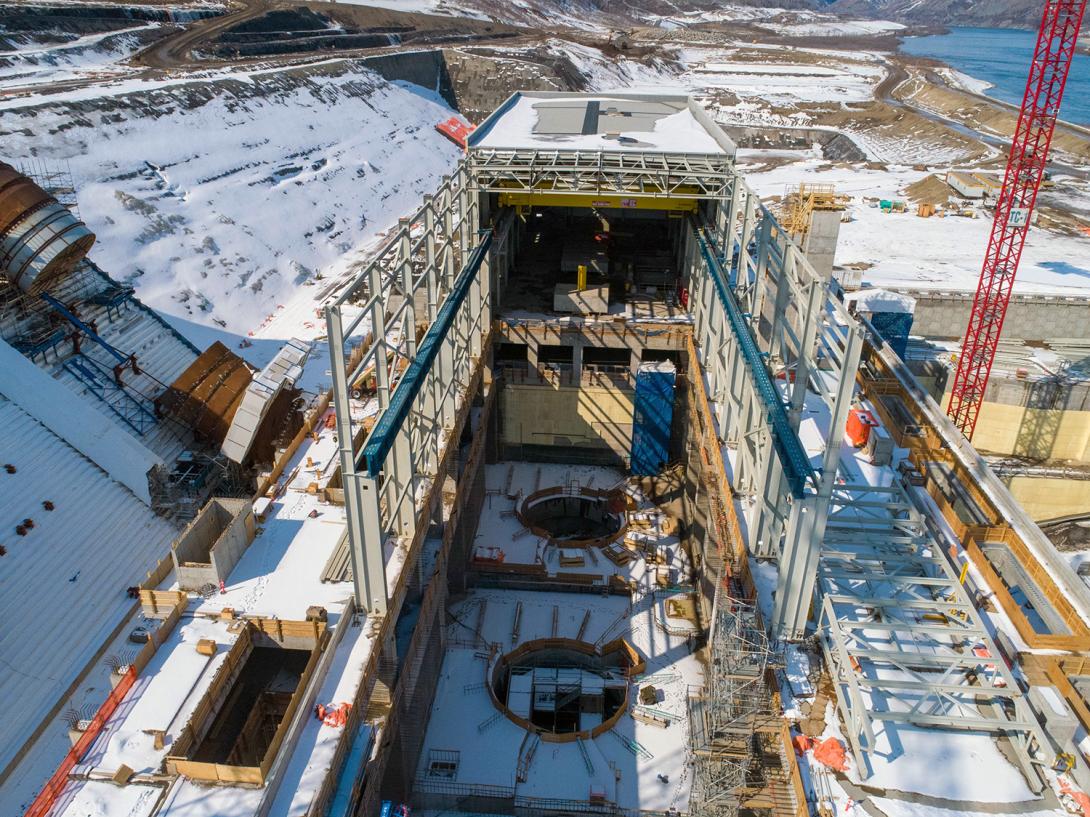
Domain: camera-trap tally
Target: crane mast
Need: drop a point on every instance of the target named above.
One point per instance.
(1052, 58)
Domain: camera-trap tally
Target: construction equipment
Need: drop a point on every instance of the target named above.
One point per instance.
(1056, 40)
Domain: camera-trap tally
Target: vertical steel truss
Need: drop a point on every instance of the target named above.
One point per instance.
(731, 709)
(795, 339)
(903, 641)
(434, 272)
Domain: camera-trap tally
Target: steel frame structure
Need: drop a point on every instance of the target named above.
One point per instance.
(434, 273)
(771, 332)
(1055, 49)
(775, 343)
(554, 172)
(903, 641)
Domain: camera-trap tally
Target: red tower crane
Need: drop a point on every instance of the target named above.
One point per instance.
(1026, 167)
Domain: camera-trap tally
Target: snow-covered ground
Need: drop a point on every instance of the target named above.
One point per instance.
(933, 253)
(959, 79)
(224, 199)
(34, 64)
(780, 83)
(832, 27)
(440, 7)
(726, 13)
(560, 770)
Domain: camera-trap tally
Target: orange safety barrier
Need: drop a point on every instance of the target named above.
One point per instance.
(1080, 798)
(830, 752)
(333, 715)
(43, 803)
(456, 130)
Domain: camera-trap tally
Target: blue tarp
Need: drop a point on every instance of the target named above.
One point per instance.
(652, 417)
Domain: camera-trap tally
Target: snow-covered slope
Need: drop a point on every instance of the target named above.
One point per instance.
(218, 199)
(29, 62)
(1019, 13)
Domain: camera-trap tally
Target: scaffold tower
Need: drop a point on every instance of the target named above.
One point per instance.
(730, 712)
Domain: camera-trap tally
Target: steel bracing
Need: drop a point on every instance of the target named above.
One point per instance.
(764, 319)
(903, 642)
(553, 172)
(433, 275)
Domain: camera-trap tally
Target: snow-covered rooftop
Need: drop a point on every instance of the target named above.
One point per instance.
(641, 123)
(80, 555)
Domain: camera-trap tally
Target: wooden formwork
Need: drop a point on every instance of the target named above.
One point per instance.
(162, 632)
(561, 491)
(156, 603)
(222, 682)
(1058, 670)
(729, 539)
(187, 738)
(636, 666)
(877, 381)
(1077, 640)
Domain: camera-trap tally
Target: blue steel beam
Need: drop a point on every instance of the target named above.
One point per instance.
(796, 463)
(84, 328)
(386, 429)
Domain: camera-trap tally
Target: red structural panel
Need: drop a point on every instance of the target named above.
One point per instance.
(1025, 169)
(456, 130)
(47, 797)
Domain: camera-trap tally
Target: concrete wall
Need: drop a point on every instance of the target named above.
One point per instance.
(481, 83)
(1048, 498)
(820, 242)
(834, 145)
(1037, 434)
(568, 416)
(1029, 317)
(425, 68)
(210, 546)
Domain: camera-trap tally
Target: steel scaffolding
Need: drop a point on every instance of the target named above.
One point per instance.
(729, 713)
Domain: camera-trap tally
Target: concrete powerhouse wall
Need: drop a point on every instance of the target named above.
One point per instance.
(1029, 317)
(1047, 498)
(588, 416)
(1036, 434)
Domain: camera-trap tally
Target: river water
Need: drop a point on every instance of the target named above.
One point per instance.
(1001, 56)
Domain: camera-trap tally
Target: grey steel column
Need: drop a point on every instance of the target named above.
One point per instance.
(364, 532)
(806, 528)
(797, 571)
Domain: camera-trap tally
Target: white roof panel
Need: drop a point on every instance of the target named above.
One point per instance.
(603, 122)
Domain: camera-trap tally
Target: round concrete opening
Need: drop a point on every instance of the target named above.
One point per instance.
(562, 687)
(574, 517)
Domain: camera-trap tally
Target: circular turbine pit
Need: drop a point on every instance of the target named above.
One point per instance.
(560, 687)
(588, 517)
